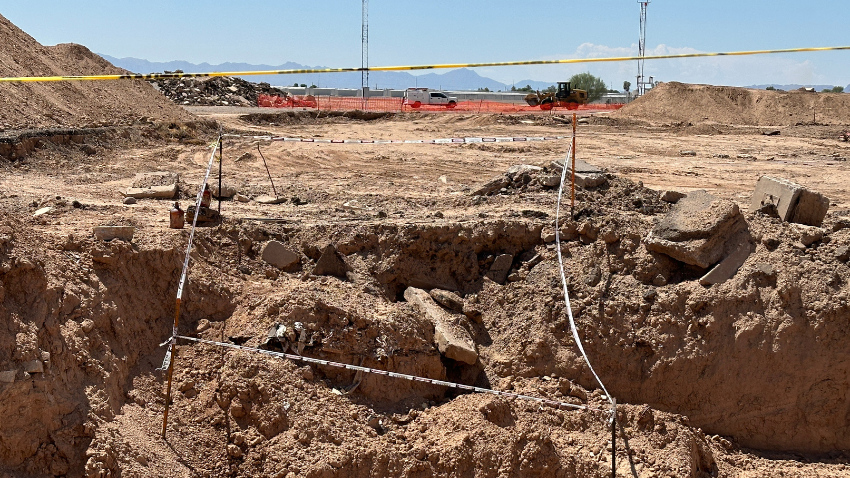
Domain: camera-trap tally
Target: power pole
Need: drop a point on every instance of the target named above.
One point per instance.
(364, 55)
(641, 83)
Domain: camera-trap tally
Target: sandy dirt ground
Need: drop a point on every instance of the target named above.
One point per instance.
(403, 216)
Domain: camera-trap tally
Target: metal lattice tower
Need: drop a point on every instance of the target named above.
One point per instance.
(364, 56)
(641, 82)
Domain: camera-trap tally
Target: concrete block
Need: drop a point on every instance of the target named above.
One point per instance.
(280, 256)
(780, 192)
(811, 208)
(794, 203)
(108, 233)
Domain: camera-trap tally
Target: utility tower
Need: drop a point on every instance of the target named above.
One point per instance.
(641, 81)
(364, 55)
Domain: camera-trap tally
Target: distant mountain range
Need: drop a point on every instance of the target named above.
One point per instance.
(797, 87)
(460, 79)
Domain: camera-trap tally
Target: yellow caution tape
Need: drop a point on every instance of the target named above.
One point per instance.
(166, 76)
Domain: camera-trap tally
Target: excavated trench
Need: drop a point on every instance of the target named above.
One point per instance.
(84, 320)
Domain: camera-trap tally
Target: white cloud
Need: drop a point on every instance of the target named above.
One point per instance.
(802, 68)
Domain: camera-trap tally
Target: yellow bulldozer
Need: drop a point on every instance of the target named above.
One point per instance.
(563, 97)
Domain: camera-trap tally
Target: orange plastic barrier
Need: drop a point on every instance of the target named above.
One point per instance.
(382, 104)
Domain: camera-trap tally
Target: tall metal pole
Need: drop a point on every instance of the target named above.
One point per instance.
(364, 54)
(642, 47)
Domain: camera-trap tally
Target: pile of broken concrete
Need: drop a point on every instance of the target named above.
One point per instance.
(222, 91)
(711, 233)
(526, 177)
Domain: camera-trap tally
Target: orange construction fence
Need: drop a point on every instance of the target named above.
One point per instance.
(383, 104)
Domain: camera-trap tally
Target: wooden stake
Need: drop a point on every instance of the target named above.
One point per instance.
(573, 149)
(170, 372)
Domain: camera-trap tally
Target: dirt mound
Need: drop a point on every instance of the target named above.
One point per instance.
(675, 102)
(70, 104)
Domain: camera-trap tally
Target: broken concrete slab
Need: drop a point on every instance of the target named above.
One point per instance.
(451, 337)
(269, 200)
(280, 256)
(587, 175)
(153, 192)
(108, 233)
(793, 202)
(330, 263)
(740, 249)
(696, 229)
(447, 299)
(500, 269)
(8, 376)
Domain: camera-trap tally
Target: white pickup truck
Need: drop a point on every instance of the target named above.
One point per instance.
(416, 97)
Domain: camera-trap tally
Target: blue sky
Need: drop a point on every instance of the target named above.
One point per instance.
(327, 33)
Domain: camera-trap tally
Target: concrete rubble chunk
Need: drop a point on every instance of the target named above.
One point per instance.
(34, 366)
(42, 211)
(330, 263)
(227, 190)
(587, 175)
(741, 248)
(153, 192)
(108, 233)
(451, 337)
(501, 268)
(447, 299)
(523, 168)
(8, 376)
(809, 234)
(793, 202)
(280, 256)
(696, 229)
(269, 200)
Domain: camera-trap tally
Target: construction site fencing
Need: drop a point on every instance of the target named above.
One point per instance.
(400, 105)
